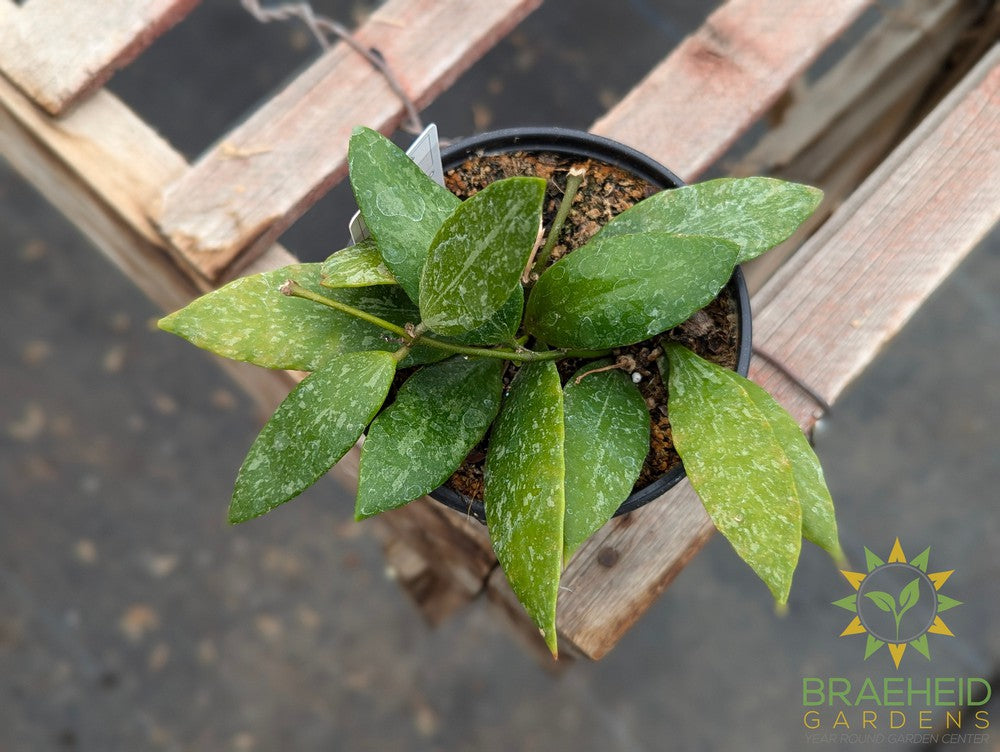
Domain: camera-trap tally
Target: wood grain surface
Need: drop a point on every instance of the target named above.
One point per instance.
(241, 195)
(102, 167)
(837, 129)
(58, 51)
(691, 107)
(825, 315)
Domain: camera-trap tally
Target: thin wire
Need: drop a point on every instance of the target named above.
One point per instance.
(792, 376)
(321, 28)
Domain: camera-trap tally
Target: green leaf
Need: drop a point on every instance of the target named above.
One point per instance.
(909, 595)
(311, 430)
(737, 465)
(754, 213)
(622, 289)
(883, 600)
(501, 328)
(438, 417)
(392, 304)
(476, 259)
(819, 521)
(524, 491)
(250, 320)
(402, 207)
(607, 440)
(356, 266)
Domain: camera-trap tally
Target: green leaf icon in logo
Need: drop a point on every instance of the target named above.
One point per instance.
(908, 598)
(883, 600)
(887, 603)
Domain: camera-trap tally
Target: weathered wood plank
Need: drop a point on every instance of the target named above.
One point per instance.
(441, 557)
(98, 151)
(720, 80)
(848, 291)
(906, 46)
(500, 595)
(829, 311)
(102, 166)
(243, 193)
(57, 51)
(838, 129)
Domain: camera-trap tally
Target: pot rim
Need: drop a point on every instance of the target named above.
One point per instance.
(570, 142)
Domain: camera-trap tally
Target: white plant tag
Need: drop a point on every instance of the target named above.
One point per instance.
(426, 152)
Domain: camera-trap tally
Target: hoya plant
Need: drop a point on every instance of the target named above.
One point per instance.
(446, 327)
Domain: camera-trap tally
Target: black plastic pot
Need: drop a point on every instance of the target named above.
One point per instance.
(581, 145)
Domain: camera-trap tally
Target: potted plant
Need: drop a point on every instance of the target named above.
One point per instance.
(462, 327)
(616, 178)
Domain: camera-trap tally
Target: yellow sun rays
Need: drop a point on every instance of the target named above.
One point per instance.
(872, 562)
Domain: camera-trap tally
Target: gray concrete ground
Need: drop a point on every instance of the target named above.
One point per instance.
(133, 618)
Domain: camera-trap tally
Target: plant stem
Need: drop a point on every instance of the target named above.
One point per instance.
(295, 290)
(519, 356)
(573, 180)
(413, 334)
(620, 364)
(401, 353)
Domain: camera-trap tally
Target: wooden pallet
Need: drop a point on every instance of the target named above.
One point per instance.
(178, 228)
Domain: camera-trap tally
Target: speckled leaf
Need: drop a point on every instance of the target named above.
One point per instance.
(250, 320)
(476, 259)
(737, 465)
(525, 494)
(390, 303)
(318, 422)
(607, 440)
(501, 328)
(356, 266)
(402, 207)
(625, 288)
(438, 417)
(819, 522)
(754, 213)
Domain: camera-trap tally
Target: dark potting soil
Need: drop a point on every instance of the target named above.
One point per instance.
(606, 191)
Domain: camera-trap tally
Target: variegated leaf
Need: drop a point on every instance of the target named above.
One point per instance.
(440, 413)
(476, 259)
(358, 265)
(402, 207)
(737, 466)
(755, 213)
(250, 320)
(607, 440)
(622, 289)
(311, 430)
(525, 492)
